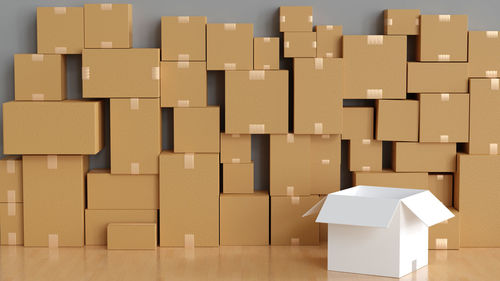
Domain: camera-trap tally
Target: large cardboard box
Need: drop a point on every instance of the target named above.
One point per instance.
(266, 53)
(121, 192)
(54, 200)
(427, 77)
(401, 22)
(380, 60)
(423, 157)
(59, 127)
(96, 222)
(446, 235)
(329, 41)
(296, 18)
(237, 178)
(288, 226)
(39, 77)
(325, 164)
(358, 123)
(441, 185)
(189, 199)
(121, 73)
(183, 84)
(256, 102)
(387, 178)
(397, 120)
(244, 219)
(484, 60)
(235, 148)
(444, 118)
(196, 129)
(365, 155)
(318, 91)
(59, 30)
(135, 135)
(11, 180)
(299, 44)
(11, 224)
(229, 46)
(131, 236)
(183, 38)
(108, 26)
(290, 167)
(442, 38)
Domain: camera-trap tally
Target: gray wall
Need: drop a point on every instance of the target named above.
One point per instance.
(18, 35)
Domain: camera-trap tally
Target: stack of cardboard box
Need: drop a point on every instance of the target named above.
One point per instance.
(11, 201)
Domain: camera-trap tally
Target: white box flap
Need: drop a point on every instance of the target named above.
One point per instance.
(316, 208)
(427, 208)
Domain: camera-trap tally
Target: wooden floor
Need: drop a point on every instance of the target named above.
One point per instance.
(224, 263)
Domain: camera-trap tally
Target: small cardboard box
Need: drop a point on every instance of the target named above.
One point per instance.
(131, 236)
(387, 178)
(59, 127)
(59, 30)
(380, 60)
(183, 38)
(446, 235)
(441, 185)
(296, 18)
(189, 199)
(325, 164)
(397, 120)
(427, 77)
(108, 26)
(11, 224)
(39, 77)
(135, 192)
(235, 148)
(121, 73)
(266, 53)
(365, 155)
(229, 46)
(299, 44)
(442, 38)
(358, 123)
(423, 157)
(196, 129)
(237, 178)
(135, 135)
(183, 84)
(318, 91)
(484, 60)
(54, 200)
(329, 41)
(11, 180)
(256, 102)
(401, 22)
(244, 219)
(444, 117)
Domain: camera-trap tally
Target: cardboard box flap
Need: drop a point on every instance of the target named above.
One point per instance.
(427, 208)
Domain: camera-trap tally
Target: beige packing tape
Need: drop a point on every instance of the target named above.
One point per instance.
(266, 66)
(325, 136)
(85, 73)
(290, 138)
(183, 103)
(444, 57)
(188, 160)
(445, 222)
(443, 138)
(325, 161)
(235, 136)
(182, 65)
(52, 162)
(441, 243)
(494, 84)
(53, 241)
(366, 141)
(329, 55)
(134, 104)
(491, 73)
(183, 57)
(267, 39)
(235, 160)
(417, 21)
(283, 19)
(318, 128)
(375, 39)
(286, 45)
(295, 200)
(106, 7)
(290, 190)
(229, 26)
(374, 93)
(37, 57)
(256, 128)
(318, 64)
(445, 97)
(106, 44)
(155, 73)
(60, 50)
(256, 75)
(11, 203)
(11, 167)
(388, 21)
(12, 238)
(440, 177)
(134, 168)
(493, 148)
(310, 18)
(37, 97)
(444, 18)
(313, 45)
(229, 66)
(329, 27)
(189, 241)
(295, 241)
(60, 10)
(366, 168)
(492, 34)
(183, 19)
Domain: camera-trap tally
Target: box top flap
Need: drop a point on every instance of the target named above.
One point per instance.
(427, 208)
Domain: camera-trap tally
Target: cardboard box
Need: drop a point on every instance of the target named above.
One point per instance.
(39, 77)
(325, 164)
(59, 127)
(477, 198)
(318, 91)
(441, 185)
(183, 84)
(266, 53)
(256, 102)
(108, 26)
(364, 56)
(11, 180)
(397, 120)
(296, 18)
(237, 178)
(121, 73)
(11, 224)
(437, 77)
(401, 22)
(229, 46)
(423, 157)
(131, 236)
(288, 226)
(244, 219)
(365, 155)
(442, 38)
(135, 135)
(235, 148)
(299, 44)
(121, 192)
(444, 118)
(54, 200)
(358, 123)
(189, 199)
(484, 60)
(290, 167)
(387, 178)
(329, 41)
(196, 129)
(183, 38)
(446, 235)
(96, 222)
(59, 30)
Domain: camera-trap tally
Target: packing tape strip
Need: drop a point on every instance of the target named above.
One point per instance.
(366, 141)
(491, 34)
(313, 44)
(388, 21)
(445, 222)
(318, 64)
(11, 238)
(235, 160)
(374, 93)
(267, 39)
(290, 190)
(189, 241)
(229, 66)
(183, 57)
(441, 243)
(135, 168)
(266, 66)
(134, 104)
(11, 167)
(60, 10)
(495, 84)
(256, 128)
(286, 44)
(37, 57)
(375, 39)
(37, 97)
(283, 19)
(329, 27)
(11, 209)
(443, 138)
(491, 73)
(295, 241)
(325, 161)
(366, 168)
(183, 103)
(60, 50)
(182, 65)
(325, 136)
(52, 162)
(417, 21)
(329, 55)
(183, 19)
(85, 73)
(11, 196)
(444, 57)
(444, 18)
(318, 128)
(229, 26)
(235, 135)
(493, 148)
(290, 138)
(155, 73)
(256, 75)
(439, 177)
(310, 19)
(445, 97)
(106, 7)
(53, 241)
(106, 44)
(188, 160)
(295, 200)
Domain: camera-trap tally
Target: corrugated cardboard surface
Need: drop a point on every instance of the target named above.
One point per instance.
(329, 41)
(397, 120)
(229, 46)
(299, 44)
(235, 148)
(59, 33)
(103, 24)
(437, 77)
(484, 59)
(11, 179)
(441, 185)
(357, 123)
(387, 178)
(196, 129)
(401, 22)
(266, 53)
(183, 38)
(446, 235)
(423, 157)
(365, 155)
(131, 236)
(183, 84)
(237, 178)
(296, 18)
(325, 164)
(11, 224)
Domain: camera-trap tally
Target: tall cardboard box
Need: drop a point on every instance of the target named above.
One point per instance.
(299, 44)
(365, 155)
(446, 235)
(11, 224)
(325, 164)
(387, 178)
(189, 199)
(401, 22)
(423, 157)
(441, 185)
(266, 53)
(135, 135)
(397, 120)
(329, 41)
(39, 77)
(229, 46)
(54, 200)
(380, 60)
(256, 102)
(484, 60)
(235, 148)
(442, 38)
(131, 236)
(11, 180)
(183, 84)
(296, 18)
(290, 168)
(318, 91)
(358, 123)
(121, 73)
(108, 26)
(244, 219)
(59, 30)
(427, 77)
(444, 117)
(183, 38)
(59, 127)
(196, 129)
(237, 177)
